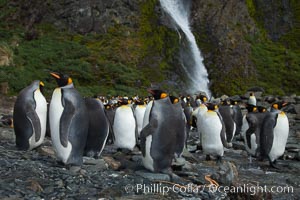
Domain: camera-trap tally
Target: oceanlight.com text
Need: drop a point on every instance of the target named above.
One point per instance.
(163, 188)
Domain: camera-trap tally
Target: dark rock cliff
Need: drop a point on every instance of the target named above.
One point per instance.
(237, 37)
(224, 25)
(79, 16)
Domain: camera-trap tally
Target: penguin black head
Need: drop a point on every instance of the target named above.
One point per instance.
(226, 102)
(279, 105)
(62, 79)
(140, 102)
(203, 98)
(251, 108)
(42, 85)
(261, 109)
(234, 102)
(174, 99)
(124, 101)
(158, 94)
(211, 106)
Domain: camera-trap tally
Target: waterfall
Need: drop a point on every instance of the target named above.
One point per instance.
(192, 62)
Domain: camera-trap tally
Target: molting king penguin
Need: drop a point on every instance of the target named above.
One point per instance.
(68, 121)
(159, 137)
(274, 133)
(98, 127)
(30, 116)
(124, 126)
(213, 135)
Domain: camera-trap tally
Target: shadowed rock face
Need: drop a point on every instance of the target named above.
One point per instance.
(277, 17)
(79, 16)
(225, 24)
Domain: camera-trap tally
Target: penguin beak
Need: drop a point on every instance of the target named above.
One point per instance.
(285, 104)
(55, 75)
(151, 91)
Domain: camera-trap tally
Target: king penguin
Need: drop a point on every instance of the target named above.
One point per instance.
(98, 127)
(159, 141)
(237, 116)
(252, 99)
(30, 116)
(274, 133)
(69, 121)
(213, 135)
(251, 129)
(182, 134)
(227, 114)
(198, 111)
(124, 126)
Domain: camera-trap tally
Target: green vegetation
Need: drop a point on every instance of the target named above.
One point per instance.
(122, 61)
(278, 67)
(277, 63)
(126, 60)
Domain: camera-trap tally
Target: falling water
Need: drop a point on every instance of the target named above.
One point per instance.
(193, 65)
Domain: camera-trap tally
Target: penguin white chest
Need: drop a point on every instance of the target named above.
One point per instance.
(211, 134)
(124, 128)
(55, 113)
(139, 115)
(245, 126)
(281, 132)
(147, 160)
(41, 111)
(147, 114)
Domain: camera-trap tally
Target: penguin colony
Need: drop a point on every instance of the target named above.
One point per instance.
(158, 126)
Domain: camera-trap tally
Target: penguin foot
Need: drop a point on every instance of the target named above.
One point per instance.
(273, 165)
(207, 158)
(219, 160)
(60, 163)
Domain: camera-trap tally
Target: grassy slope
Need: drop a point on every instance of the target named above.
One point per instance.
(278, 63)
(114, 62)
(123, 61)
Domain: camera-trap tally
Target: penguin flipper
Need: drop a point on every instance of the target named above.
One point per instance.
(35, 123)
(146, 131)
(267, 135)
(136, 127)
(65, 121)
(223, 132)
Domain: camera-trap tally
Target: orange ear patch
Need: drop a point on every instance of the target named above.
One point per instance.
(275, 106)
(163, 95)
(70, 81)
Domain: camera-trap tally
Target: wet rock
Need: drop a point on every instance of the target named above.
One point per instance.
(192, 148)
(35, 186)
(297, 157)
(46, 151)
(227, 174)
(153, 176)
(238, 145)
(112, 163)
